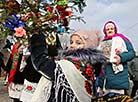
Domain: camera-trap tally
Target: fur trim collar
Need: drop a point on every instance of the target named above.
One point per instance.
(89, 55)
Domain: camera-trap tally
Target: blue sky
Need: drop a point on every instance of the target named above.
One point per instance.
(123, 12)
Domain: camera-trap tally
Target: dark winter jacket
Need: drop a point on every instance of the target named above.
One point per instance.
(29, 73)
(40, 58)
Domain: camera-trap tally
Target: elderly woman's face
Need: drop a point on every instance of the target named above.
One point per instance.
(76, 43)
(110, 30)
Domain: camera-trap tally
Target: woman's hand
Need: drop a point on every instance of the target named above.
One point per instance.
(118, 59)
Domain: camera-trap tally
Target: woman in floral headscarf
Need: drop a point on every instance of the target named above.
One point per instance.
(119, 50)
(71, 77)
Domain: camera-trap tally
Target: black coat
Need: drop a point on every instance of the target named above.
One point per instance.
(40, 57)
(29, 73)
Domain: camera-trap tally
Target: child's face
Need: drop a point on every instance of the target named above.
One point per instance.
(110, 30)
(76, 43)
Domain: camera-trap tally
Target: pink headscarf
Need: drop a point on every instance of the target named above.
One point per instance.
(114, 35)
(91, 38)
(111, 22)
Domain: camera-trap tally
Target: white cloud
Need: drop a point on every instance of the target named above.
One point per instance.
(123, 12)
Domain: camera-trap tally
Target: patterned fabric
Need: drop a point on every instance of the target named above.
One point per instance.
(87, 71)
(28, 90)
(112, 97)
(14, 58)
(61, 91)
(106, 47)
(43, 90)
(15, 90)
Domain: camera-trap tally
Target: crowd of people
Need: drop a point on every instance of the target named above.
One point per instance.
(90, 69)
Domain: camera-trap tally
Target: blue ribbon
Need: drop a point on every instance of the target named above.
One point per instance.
(13, 21)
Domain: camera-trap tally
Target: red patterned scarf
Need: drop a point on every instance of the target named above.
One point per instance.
(14, 59)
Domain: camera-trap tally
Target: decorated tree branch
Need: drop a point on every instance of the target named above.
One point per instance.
(48, 16)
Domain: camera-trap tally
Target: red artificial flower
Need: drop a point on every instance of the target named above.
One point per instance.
(39, 14)
(65, 13)
(50, 9)
(63, 16)
(68, 13)
(20, 32)
(88, 71)
(61, 8)
(29, 88)
(55, 18)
